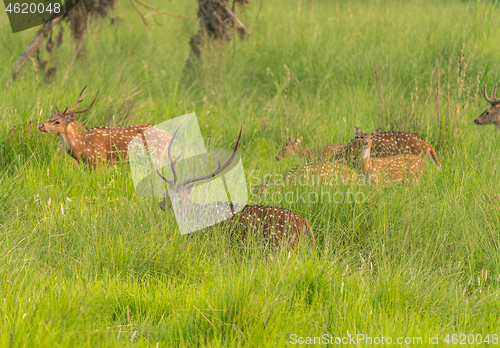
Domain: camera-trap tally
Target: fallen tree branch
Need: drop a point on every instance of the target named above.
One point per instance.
(163, 12)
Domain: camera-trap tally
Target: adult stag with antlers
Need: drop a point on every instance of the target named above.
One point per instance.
(491, 115)
(96, 146)
(271, 227)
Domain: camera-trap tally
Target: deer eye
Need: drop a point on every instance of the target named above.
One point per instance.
(57, 122)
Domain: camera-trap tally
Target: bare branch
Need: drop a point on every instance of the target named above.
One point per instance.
(237, 20)
(139, 12)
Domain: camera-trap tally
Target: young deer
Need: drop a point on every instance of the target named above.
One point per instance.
(309, 174)
(387, 144)
(96, 146)
(393, 169)
(492, 115)
(293, 148)
(271, 226)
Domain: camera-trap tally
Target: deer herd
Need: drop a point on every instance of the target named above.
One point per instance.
(387, 157)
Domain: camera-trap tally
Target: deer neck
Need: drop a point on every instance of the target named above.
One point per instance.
(72, 141)
(365, 157)
(305, 152)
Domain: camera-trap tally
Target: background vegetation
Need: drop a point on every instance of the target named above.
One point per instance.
(84, 261)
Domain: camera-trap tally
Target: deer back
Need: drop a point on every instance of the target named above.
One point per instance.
(388, 144)
(396, 169)
(319, 172)
(107, 145)
(326, 153)
(294, 148)
(271, 227)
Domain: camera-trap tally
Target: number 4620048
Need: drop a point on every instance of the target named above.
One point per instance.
(33, 8)
(471, 339)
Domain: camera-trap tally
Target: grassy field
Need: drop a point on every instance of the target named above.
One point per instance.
(86, 262)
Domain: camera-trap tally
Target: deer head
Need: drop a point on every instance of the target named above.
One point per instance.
(359, 133)
(291, 148)
(366, 141)
(60, 120)
(184, 188)
(491, 115)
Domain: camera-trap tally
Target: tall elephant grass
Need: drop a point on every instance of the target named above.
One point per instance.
(85, 261)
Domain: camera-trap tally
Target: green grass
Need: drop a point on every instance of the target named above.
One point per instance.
(85, 261)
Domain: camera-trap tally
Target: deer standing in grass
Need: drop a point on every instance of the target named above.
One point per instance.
(310, 174)
(294, 148)
(100, 145)
(492, 115)
(387, 144)
(394, 169)
(271, 227)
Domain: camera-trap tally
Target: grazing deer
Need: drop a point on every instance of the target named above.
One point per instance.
(293, 148)
(387, 144)
(492, 115)
(394, 169)
(96, 146)
(271, 226)
(309, 174)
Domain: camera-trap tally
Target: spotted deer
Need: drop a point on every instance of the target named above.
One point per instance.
(387, 144)
(294, 148)
(100, 145)
(491, 115)
(271, 227)
(394, 169)
(310, 174)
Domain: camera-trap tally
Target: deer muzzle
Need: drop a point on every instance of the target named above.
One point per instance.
(480, 120)
(41, 128)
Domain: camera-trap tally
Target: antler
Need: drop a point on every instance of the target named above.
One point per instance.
(87, 109)
(220, 168)
(172, 160)
(66, 111)
(79, 100)
(494, 100)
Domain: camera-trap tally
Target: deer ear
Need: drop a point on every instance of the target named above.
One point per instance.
(377, 132)
(54, 113)
(357, 130)
(71, 117)
(189, 189)
(299, 139)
